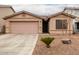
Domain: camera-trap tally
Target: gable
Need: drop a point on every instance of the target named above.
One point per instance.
(62, 16)
(23, 16)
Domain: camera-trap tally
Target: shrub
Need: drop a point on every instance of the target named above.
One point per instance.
(47, 41)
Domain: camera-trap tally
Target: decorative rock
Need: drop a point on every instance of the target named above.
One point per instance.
(66, 41)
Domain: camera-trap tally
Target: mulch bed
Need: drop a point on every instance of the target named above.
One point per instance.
(57, 47)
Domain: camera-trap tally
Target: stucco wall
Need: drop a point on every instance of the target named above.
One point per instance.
(20, 17)
(4, 11)
(52, 25)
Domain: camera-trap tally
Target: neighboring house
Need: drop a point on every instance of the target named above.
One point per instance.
(23, 22)
(61, 23)
(4, 11)
(74, 11)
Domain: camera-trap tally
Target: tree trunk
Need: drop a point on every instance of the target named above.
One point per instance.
(48, 46)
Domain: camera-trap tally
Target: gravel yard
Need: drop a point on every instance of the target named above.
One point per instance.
(15, 44)
(57, 47)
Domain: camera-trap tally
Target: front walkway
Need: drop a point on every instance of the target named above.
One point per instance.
(15, 44)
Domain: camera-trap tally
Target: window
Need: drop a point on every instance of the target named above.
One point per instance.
(61, 24)
(77, 23)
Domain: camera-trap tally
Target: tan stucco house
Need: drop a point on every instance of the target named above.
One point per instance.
(23, 22)
(28, 23)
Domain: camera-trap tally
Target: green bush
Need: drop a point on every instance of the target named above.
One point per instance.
(47, 41)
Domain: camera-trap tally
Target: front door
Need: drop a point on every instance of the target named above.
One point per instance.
(45, 26)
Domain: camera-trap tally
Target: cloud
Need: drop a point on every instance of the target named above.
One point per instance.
(42, 9)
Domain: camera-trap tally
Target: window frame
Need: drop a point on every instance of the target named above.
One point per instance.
(62, 23)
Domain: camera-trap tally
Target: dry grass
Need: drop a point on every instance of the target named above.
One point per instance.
(57, 47)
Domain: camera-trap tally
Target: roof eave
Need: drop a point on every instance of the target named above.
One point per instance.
(69, 15)
(6, 17)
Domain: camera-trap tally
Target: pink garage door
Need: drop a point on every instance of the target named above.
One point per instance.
(24, 27)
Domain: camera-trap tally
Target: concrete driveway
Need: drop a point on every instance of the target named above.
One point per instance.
(17, 44)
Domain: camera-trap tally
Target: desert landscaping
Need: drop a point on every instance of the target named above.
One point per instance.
(23, 44)
(57, 47)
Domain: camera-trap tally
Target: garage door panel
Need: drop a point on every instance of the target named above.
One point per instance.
(24, 27)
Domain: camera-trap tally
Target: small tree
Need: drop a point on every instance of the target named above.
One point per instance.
(47, 41)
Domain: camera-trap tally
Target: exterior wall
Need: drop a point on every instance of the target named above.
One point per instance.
(23, 18)
(75, 26)
(4, 11)
(52, 25)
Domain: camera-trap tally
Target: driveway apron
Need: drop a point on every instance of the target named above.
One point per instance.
(17, 44)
